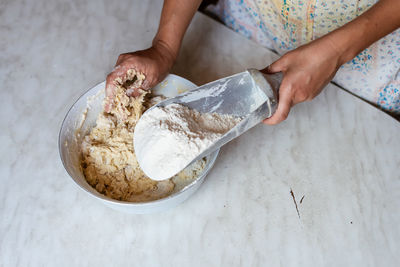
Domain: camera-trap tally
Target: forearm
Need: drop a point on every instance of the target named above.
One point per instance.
(175, 18)
(380, 20)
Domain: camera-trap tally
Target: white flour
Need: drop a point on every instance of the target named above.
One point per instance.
(167, 139)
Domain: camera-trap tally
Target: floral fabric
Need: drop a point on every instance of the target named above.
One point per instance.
(283, 25)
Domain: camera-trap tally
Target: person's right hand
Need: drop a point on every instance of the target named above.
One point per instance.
(154, 62)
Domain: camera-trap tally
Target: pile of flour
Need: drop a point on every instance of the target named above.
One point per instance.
(168, 138)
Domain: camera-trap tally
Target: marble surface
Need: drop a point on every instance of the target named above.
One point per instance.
(338, 155)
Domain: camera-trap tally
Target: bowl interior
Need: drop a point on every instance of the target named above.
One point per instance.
(82, 117)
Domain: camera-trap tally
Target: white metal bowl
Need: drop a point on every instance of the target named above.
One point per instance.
(82, 117)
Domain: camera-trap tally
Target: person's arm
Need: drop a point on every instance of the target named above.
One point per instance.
(175, 18)
(309, 68)
(156, 61)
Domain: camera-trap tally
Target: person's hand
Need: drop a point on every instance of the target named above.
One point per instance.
(154, 62)
(306, 70)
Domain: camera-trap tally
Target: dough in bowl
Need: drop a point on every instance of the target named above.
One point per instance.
(108, 159)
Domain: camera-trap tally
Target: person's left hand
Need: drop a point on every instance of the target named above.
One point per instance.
(306, 70)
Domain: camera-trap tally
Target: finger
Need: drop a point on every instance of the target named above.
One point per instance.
(110, 89)
(135, 92)
(118, 75)
(282, 112)
(118, 72)
(110, 84)
(146, 84)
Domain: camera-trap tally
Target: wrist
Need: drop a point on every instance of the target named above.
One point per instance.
(349, 40)
(166, 52)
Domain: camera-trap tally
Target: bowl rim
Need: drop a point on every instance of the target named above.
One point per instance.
(212, 158)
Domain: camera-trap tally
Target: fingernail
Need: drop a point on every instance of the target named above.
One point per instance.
(145, 84)
(130, 91)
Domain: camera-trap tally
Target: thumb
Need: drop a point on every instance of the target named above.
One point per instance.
(284, 105)
(277, 66)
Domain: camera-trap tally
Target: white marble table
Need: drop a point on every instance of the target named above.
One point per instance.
(338, 155)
